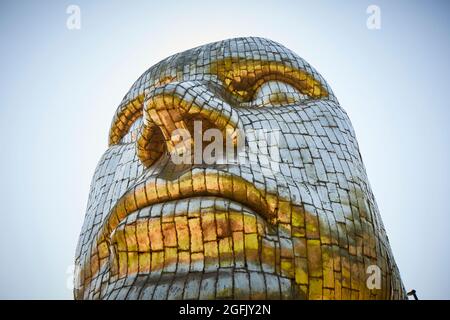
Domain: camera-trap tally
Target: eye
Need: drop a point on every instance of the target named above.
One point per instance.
(277, 93)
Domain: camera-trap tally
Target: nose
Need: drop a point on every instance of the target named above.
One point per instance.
(172, 108)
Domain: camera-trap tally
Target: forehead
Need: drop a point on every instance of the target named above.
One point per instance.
(242, 51)
(237, 64)
(226, 55)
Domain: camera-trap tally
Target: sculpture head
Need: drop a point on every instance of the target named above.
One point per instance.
(283, 211)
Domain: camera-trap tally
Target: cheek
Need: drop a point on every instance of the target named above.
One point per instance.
(117, 170)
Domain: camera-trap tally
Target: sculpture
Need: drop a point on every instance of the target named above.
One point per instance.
(298, 224)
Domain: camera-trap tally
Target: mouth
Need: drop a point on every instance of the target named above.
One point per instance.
(213, 208)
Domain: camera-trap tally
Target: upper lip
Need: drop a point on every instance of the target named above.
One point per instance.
(194, 183)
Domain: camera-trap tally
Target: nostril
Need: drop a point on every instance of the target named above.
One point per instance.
(150, 144)
(176, 108)
(198, 126)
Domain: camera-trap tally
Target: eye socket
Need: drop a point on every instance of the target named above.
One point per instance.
(277, 93)
(132, 133)
(269, 93)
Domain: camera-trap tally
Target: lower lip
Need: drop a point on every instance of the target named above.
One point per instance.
(193, 234)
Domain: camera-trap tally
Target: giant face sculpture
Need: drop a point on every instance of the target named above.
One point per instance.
(298, 224)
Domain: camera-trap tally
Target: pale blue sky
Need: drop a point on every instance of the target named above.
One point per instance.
(60, 88)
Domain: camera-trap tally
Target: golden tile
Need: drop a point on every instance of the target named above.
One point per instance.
(195, 229)
(155, 234)
(182, 230)
(301, 270)
(209, 227)
(315, 289)
(314, 258)
(226, 252)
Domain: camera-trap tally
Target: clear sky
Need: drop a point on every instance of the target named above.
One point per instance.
(59, 89)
